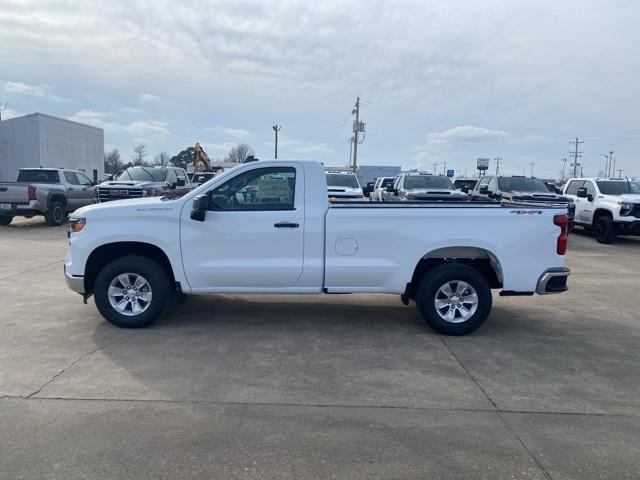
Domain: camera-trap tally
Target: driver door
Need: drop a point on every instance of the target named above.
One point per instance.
(252, 236)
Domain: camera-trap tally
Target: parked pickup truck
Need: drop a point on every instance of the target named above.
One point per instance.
(609, 207)
(411, 187)
(268, 227)
(137, 182)
(52, 192)
(520, 189)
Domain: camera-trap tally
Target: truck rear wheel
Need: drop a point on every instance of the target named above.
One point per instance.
(454, 299)
(56, 214)
(5, 219)
(132, 291)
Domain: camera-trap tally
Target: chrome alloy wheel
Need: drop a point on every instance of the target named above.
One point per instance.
(129, 294)
(456, 301)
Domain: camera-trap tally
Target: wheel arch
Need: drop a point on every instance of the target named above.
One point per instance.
(601, 212)
(104, 254)
(478, 258)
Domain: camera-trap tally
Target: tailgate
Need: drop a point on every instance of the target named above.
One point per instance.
(14, 193)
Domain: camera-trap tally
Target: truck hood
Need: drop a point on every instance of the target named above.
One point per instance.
(435, 192)
(141, 206)
(536, 197)
(130, 183)
(630, 198)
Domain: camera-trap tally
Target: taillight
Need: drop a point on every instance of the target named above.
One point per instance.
(562, 221)
(32, 192)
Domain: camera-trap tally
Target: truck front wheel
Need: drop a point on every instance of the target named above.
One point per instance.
(132, 291)
(605, 230)
(454, 299)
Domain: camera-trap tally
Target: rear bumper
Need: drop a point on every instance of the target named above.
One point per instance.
(75, 283)
(553, 280)
(20, 209)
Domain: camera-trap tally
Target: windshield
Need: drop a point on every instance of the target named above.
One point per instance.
(38, 176)
(342, 180)
(143, 173)
(521, 184)
(618, 188)
(427, 181)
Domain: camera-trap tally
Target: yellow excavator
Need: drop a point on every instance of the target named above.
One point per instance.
(201, 162)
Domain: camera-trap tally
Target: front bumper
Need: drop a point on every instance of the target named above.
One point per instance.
(627, 227)
(75, 283)
(553, 280)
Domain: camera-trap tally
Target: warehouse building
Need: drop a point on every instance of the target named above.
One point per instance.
(39, 140)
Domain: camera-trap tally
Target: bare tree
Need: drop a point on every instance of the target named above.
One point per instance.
(112, 162)
(139, 152)
(239, 153)
(162, 159)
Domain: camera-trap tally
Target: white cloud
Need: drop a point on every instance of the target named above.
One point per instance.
(229, 132)
(150, 98)
(30, 90)
(144, 131)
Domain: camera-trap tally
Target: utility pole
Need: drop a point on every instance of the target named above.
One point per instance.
(564, 166)
(498, 161)
(620, 173)
(276, 129)
(2, 109)
(532, 164)
(610, 164)
(358, 127)
(435, 168)
(444, 168)
(614, 165)
(575, 155)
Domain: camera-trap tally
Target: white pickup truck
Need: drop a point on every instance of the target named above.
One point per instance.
(268, 227)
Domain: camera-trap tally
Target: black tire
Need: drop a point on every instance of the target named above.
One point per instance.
(5, 219)
(439, 276)
(156, 276)
(604, 230)
(56, 215)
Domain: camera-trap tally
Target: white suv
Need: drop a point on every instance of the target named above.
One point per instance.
(610, 207)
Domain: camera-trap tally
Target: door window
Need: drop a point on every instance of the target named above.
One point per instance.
(71, 178)
(591, 190)
(83, 180)
(270, 188)
(573, 187)
(171, 177)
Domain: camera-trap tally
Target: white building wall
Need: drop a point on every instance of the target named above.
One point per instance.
(39, 140)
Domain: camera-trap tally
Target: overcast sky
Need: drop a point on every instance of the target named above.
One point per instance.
(440, 81)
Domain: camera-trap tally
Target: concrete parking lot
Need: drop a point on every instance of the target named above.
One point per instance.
(345, 386)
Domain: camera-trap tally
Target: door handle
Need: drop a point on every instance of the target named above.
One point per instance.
(286, 225)
(70, 188)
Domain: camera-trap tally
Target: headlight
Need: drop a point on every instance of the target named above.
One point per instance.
(625, 208)
(76, 224)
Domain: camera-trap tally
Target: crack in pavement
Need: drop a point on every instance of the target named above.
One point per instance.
(496, 409)
(315, 405)
(80, 358)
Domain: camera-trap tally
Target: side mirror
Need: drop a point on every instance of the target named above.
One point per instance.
(484, 190)
(390, 189)
(200, 207)
(582, 192)
(465, 189)
(181, 182)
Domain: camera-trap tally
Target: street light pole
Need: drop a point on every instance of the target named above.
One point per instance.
(276, 129)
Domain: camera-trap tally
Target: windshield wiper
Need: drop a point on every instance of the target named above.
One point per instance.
(148, 173)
